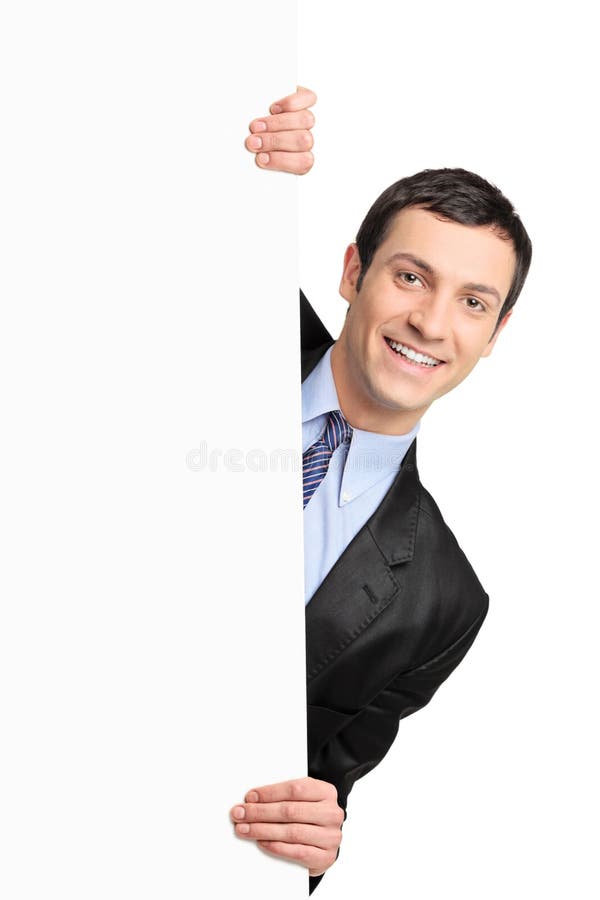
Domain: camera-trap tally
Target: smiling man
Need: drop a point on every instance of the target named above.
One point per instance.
(393, 604)
(426, 307)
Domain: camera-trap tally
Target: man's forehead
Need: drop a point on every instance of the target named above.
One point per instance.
(475, 254)
(421, 220)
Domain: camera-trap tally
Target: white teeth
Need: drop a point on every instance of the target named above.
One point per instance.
(412, 354)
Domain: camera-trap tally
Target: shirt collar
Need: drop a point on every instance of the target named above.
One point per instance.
(370, 456)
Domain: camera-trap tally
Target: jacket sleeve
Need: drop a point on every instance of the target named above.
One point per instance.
(362, 742)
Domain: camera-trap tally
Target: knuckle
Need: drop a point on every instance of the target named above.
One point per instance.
(308, 118)
(305, 162)
(303, 854)
(335, 817)
(294, 833)
(288, 811)
(305, 140)
(297, 790)
(332, 840)
(331, 790)
(306, 96)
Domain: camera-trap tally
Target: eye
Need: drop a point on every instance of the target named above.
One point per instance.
(409, 278)
(474, 303)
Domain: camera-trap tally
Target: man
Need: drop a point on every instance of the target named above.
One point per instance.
(392, 603)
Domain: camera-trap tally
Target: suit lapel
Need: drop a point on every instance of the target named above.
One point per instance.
(311, 357)
(361, 584)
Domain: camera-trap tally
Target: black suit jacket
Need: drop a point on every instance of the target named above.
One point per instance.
(391, 620)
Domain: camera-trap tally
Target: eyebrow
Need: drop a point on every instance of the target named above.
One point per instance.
(425, 267)
(483, 289)
(408, 257)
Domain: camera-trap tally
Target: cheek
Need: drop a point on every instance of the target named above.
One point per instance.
(362, 323)
(474, 342)
(470, 360)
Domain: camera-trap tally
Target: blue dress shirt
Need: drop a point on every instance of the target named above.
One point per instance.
(359, 476)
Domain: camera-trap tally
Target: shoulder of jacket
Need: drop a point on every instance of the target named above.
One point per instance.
(441, 545)
(429, 508)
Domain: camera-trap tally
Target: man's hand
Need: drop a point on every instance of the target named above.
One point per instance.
(299, 820)
(282, 141)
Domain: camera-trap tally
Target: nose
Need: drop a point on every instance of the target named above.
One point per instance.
(430, 317)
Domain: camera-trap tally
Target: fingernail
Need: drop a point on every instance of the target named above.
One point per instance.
(239, 812)
(243, 829)
(263, 159)
(258, 126)
(276, 108)
(252, 797)
(254, 143)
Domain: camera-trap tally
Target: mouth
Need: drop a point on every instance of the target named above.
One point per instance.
(412, 356)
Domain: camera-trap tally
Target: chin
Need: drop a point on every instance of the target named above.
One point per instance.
(401, 404)
(403, 401)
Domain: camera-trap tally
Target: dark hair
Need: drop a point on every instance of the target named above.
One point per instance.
(454, 194)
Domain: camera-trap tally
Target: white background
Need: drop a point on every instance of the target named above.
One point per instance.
(151, 665)
(142, 610)
(490, 791)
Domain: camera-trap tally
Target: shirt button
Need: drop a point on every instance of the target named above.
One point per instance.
(346, 496)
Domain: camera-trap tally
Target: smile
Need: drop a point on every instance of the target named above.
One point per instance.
(419, 359)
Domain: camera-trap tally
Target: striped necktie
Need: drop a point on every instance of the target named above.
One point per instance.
(315, 460)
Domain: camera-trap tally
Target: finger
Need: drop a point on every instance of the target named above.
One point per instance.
(326, 814)
(302, 98)
(313, 858)
(296, 163)
(307, 789)
(287, 811)
(280, 140)
(287, 121)
(295, 833)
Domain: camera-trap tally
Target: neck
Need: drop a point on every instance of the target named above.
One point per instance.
(360, 409)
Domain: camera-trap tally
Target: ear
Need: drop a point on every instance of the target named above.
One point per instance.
(350, 273)
(492, 341)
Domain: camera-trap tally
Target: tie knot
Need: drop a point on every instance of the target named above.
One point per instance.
(337, 430)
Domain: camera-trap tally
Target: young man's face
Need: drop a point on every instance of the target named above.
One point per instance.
(434, 288)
